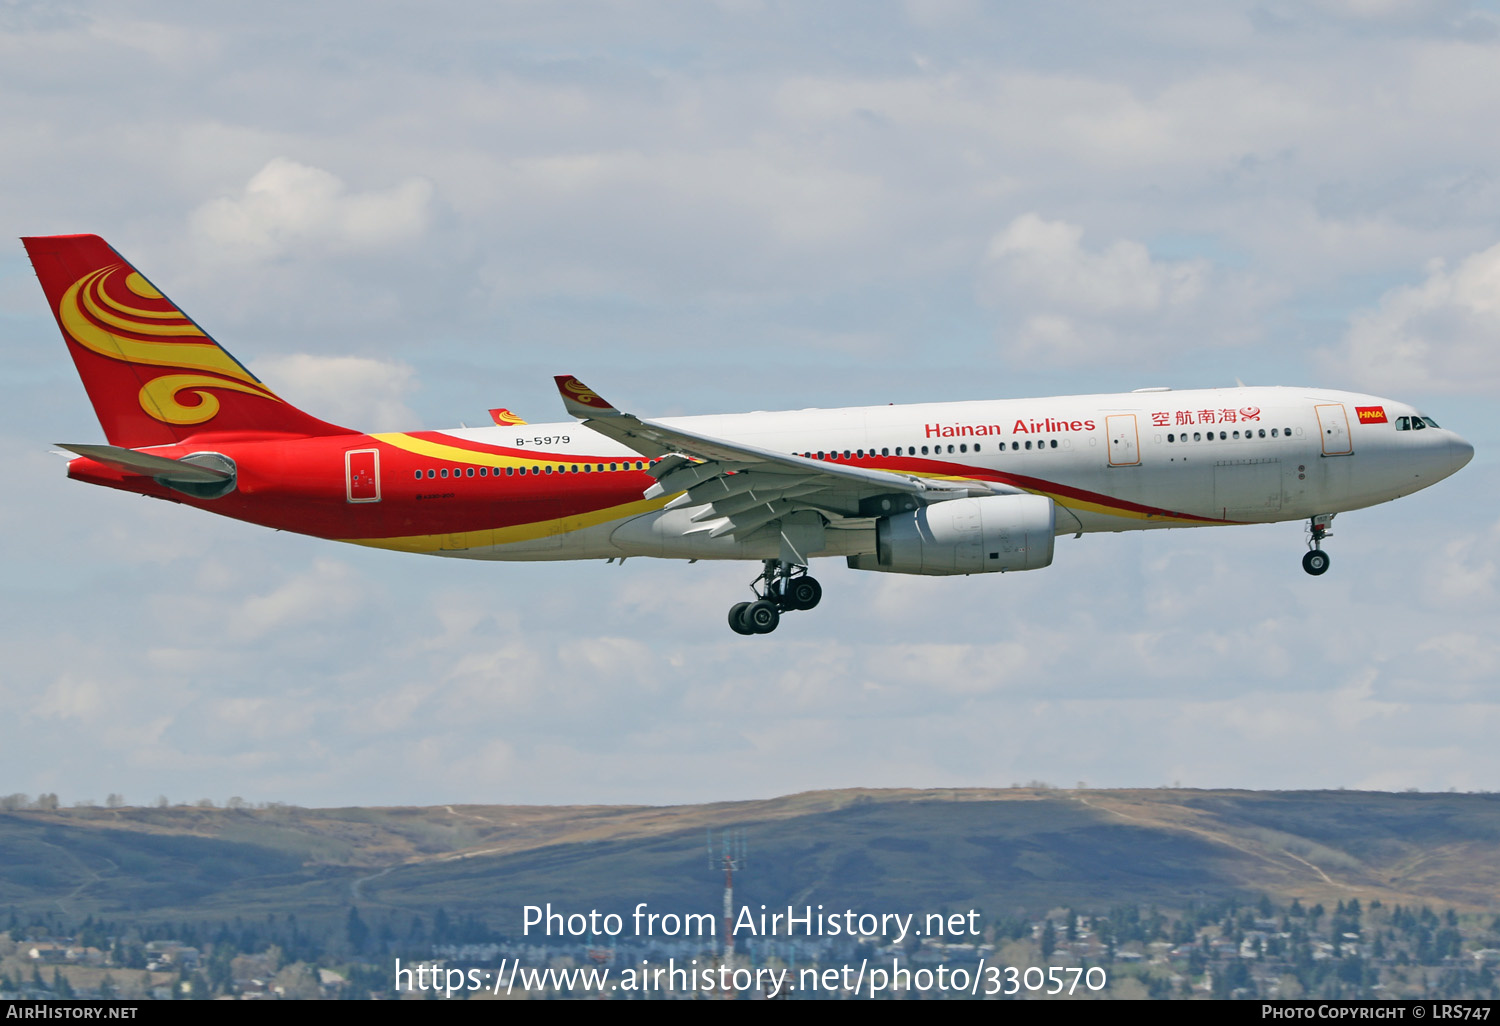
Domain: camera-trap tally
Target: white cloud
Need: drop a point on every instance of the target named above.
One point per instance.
(1061, 299)
(289, 206)
(358, 392)
(69, 697)
(168, 44)
(1046, 263)
(328, 591)
(1436, 336)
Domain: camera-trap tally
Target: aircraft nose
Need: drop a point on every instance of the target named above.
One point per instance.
(1460, 452)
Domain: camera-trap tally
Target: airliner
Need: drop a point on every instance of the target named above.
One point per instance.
(934, 489)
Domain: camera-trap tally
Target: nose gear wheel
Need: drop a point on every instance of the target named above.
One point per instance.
(1316, 561)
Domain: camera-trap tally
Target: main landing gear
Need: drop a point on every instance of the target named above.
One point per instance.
(780, 588)
(1316, 560)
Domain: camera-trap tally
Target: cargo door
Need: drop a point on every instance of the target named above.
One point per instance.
(1247, 488)
(529, 525)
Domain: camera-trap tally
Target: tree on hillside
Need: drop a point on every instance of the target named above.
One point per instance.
(357, 932)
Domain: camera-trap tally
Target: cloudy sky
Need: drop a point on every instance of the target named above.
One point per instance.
(400, 218)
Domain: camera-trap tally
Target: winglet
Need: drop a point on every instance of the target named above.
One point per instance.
(582, 401)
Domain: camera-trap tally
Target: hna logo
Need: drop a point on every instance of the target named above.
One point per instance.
(119, 315)
(1371, 414)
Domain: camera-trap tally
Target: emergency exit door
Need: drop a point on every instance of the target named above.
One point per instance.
(362, 475)
(1333, 424)
(1124, 440)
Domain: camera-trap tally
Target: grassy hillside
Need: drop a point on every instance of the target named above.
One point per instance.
(999, 850)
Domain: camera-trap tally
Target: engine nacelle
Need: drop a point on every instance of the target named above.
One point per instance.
(965, 536)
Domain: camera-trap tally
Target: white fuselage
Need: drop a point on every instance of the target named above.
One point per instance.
(1127, 461)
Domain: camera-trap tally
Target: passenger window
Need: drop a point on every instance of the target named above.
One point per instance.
(924, 450)
(950, 450)
(1171, 438)
(964, 447)
(1197, 437)
(1054, 443)
(1015, 445)
(419, 475)
(510, 471)
(1028, 443)
(586, 468)
(469, 472)
(885, 452)
(1273, 432)
(445, 471)
(1262, 432)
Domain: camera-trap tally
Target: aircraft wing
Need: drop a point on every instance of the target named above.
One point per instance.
(744, 487)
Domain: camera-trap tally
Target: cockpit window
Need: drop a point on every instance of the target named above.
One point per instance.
(1403, 423)
(1428, 421)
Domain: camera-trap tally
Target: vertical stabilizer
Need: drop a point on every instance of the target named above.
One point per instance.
(153, 375)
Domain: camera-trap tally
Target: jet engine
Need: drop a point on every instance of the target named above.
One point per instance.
(965, 536)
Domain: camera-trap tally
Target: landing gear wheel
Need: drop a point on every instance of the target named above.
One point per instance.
(802, 593)
(737, 618)
(1315, 562)
(762, 617)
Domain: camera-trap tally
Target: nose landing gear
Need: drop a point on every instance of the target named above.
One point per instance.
(1316, 560)
(780, 588)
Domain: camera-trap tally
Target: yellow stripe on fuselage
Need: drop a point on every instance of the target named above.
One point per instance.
(455, 454)
(492, 536)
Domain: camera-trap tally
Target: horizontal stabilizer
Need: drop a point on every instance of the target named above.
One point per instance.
(146, 465)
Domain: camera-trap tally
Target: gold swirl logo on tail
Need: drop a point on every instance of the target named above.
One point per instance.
(583, 394)
(159, 336)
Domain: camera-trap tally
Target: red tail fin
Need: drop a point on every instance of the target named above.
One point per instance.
(153, 375)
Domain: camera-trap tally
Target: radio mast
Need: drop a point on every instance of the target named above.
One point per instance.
(730, 855)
